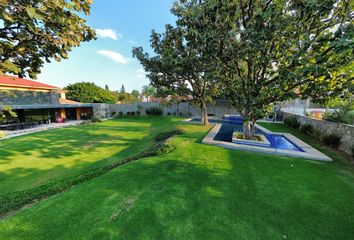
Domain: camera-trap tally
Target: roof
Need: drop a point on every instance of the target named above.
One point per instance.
(12, 81)
(66, 101)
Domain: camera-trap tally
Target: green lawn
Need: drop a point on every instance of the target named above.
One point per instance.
(197, 192)
(35, 159)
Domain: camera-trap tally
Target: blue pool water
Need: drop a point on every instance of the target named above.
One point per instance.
(228, 127)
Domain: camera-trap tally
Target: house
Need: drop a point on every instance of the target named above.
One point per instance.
(34, 101)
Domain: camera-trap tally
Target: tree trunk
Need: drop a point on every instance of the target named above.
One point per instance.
(247, 129)
(204, 114)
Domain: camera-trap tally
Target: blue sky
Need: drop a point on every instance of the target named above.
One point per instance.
(121, 25)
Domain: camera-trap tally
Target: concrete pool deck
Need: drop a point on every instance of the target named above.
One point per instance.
(308, 151)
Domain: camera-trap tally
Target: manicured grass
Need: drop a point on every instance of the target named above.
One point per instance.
(36, 159)
(199, 192)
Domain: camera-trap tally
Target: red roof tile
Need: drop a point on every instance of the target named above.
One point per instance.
(12, 81)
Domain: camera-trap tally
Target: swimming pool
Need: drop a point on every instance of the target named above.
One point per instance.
(228, 127)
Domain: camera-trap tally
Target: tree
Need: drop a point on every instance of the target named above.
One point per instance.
(182, 62)
(35, 31)
(148, 91)
(106, 87)
(122, 89)
(135, 96)
(269, 51)
(87, 92)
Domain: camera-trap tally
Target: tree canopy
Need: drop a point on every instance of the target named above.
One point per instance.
(36, 31)
(257, 52)
(179, 66)
(86, 92)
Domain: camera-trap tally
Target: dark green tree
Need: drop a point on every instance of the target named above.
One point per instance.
(106, 87)
(269, 51)
(179, 63)
(87, 92)
(36, 31)
(122, 89)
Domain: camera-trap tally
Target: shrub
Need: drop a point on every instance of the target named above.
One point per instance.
(307, 129)
(332, 140)
(317, 134)
(351, 151)
(120, 113)
(132, 113)
(96, 119)
(154, 111)
(114, 114)
(128, 113)
(168, 113)
(292, 122)
(137, 112)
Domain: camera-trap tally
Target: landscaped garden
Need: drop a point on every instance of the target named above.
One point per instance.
(196, 191)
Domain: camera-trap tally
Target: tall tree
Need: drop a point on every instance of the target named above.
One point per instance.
(148, 91)
(106, 87)
(179, 63)
(87, 92)
(122, 89)
(268, 51)
(35, 31)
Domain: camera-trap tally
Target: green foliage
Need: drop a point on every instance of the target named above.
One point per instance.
(86, 92)
(332, 140)
(96, 119)
(292, 122)
(148, 91)
(267, 51)
(182, 63)
(122, 89)
(307, 129)
(351, 151)
(344, 113)
(7, 112)
(36, 31)
(154, 111)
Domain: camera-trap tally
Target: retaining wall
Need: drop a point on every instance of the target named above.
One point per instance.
(344, 130)
(184, 109)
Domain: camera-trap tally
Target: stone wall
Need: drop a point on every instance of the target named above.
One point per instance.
(15, 97)
(344, 130)
(184, 109)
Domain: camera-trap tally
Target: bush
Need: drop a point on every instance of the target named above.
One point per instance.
(317, 134)
(307, 129)
(96, 119)
(168, 113)
(351, 151)
(154, 111)
(137, 112)
(120, 113)
(114, 114)
(128, 113)
(292, 122)
(332, 140)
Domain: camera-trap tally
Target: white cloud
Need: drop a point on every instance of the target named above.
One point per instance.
(115, 56)
(108, 33)
(132, 42)
(141, 73)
